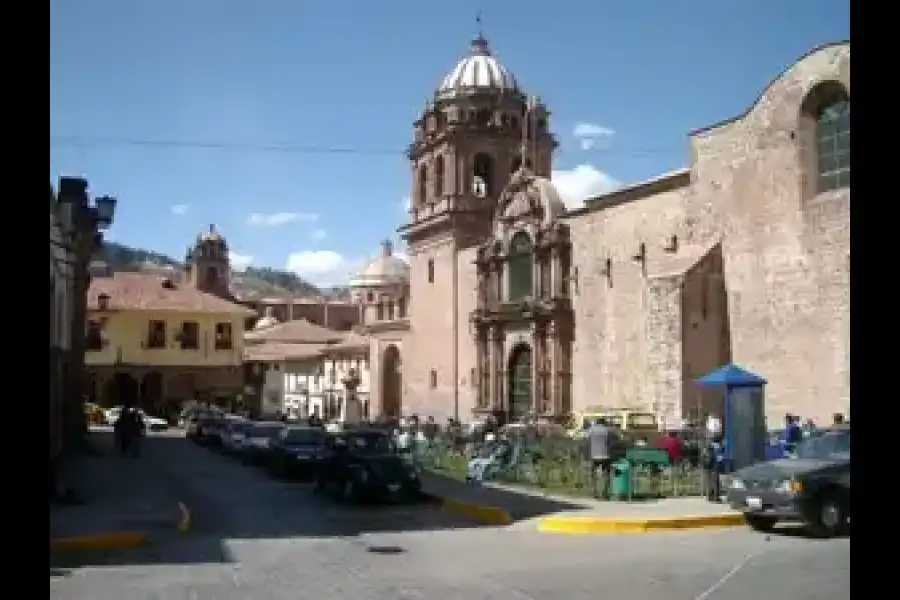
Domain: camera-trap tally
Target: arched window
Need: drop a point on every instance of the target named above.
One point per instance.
(423, 186)
(520, 267)
(833, 146)
(438, 177)
(482, 175)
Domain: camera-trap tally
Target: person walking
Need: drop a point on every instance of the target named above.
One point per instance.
(602, 439)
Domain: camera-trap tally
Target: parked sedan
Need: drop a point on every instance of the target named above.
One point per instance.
(812, 487)
(296, 450)
(363, 464)
(233, 435)
(257, 440)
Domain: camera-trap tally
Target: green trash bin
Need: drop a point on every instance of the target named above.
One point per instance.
(620, 480)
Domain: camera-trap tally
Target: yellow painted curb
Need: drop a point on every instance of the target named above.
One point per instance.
(113, 540)
(587, 525)
(184, 522)
(488, 515)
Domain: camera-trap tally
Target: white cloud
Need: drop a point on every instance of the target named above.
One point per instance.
(318, 235)
(588, 134)
(580, 183)
(239, 262)
(179, 209)
(280, 218)
(320, 267)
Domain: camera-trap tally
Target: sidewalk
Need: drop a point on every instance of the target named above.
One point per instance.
(497, 504)
(122, 502)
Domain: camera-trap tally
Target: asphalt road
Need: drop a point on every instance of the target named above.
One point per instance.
(257, 538)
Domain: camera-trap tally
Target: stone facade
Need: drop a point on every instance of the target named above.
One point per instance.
(742, 256)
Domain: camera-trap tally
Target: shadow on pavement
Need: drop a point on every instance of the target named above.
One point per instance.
(520, 506)
(230, 502)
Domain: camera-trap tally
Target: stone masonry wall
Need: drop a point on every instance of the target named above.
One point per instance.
(609, 354)
(786, 257)
(664, 363)
(430, 347)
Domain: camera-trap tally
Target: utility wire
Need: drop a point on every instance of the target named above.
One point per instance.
(276, 148)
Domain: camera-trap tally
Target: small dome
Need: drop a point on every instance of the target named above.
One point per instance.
(477, 72)
(526, 192)
(268, 320)
(386, 269)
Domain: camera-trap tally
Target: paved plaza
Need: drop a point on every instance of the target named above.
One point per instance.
(259, 538)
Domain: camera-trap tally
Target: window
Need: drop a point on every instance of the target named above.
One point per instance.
(380, 310)
(401, 308)
(704, 297)
(190, 335)
(223, 336)
(472, 381)
(430, 270)
(438, 182)
(156, 335)
(423, 185)
(520, 267)
(833, 146)
(433, 379)
(93, 337)
(390, 310)
(482, 175)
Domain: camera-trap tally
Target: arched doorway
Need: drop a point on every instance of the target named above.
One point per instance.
(519, 387)
(122, 389)
(151, 392)
(391, 383)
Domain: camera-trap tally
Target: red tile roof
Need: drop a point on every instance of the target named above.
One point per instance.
(140, 291)
(297, 331)
(274, 351)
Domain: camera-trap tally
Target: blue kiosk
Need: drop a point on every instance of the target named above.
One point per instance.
(744, 421)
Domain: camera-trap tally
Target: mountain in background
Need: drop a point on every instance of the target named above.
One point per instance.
(253, 283)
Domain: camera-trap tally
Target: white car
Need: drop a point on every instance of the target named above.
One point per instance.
(150, 423)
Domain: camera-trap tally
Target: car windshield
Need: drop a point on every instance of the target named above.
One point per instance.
(299, 436)
(370, 443)
(264, 430)
(238, 426)
(829, 445)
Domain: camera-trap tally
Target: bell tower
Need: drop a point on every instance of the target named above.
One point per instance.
(207, 264)
(467, 143)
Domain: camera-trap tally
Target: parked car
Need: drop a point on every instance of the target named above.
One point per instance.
(199, 423)
(296, 450)
(233, 435)
(363, 464)
(812, 487)
(151, 423)
(257, 440)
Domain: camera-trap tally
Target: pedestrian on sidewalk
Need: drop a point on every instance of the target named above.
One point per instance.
(602, 439)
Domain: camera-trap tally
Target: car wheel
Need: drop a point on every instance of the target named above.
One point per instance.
(348, 492)
(761, 524)
(830, 518)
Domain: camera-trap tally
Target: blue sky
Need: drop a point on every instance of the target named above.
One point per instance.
(284, 121)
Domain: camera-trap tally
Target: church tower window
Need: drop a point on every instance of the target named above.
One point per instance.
(520, 267)
(438, 177)
(423, 185)
(482, 175)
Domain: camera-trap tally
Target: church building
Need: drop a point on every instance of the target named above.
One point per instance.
(514, 305)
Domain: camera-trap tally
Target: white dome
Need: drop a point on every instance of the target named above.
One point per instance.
(386, 269)
(478, 72)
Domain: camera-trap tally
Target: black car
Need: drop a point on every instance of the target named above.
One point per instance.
(258, 440)
(812, 487)
(296, 450)
(363, 465)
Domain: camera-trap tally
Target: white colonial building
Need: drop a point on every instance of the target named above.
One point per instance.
(307, 370)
